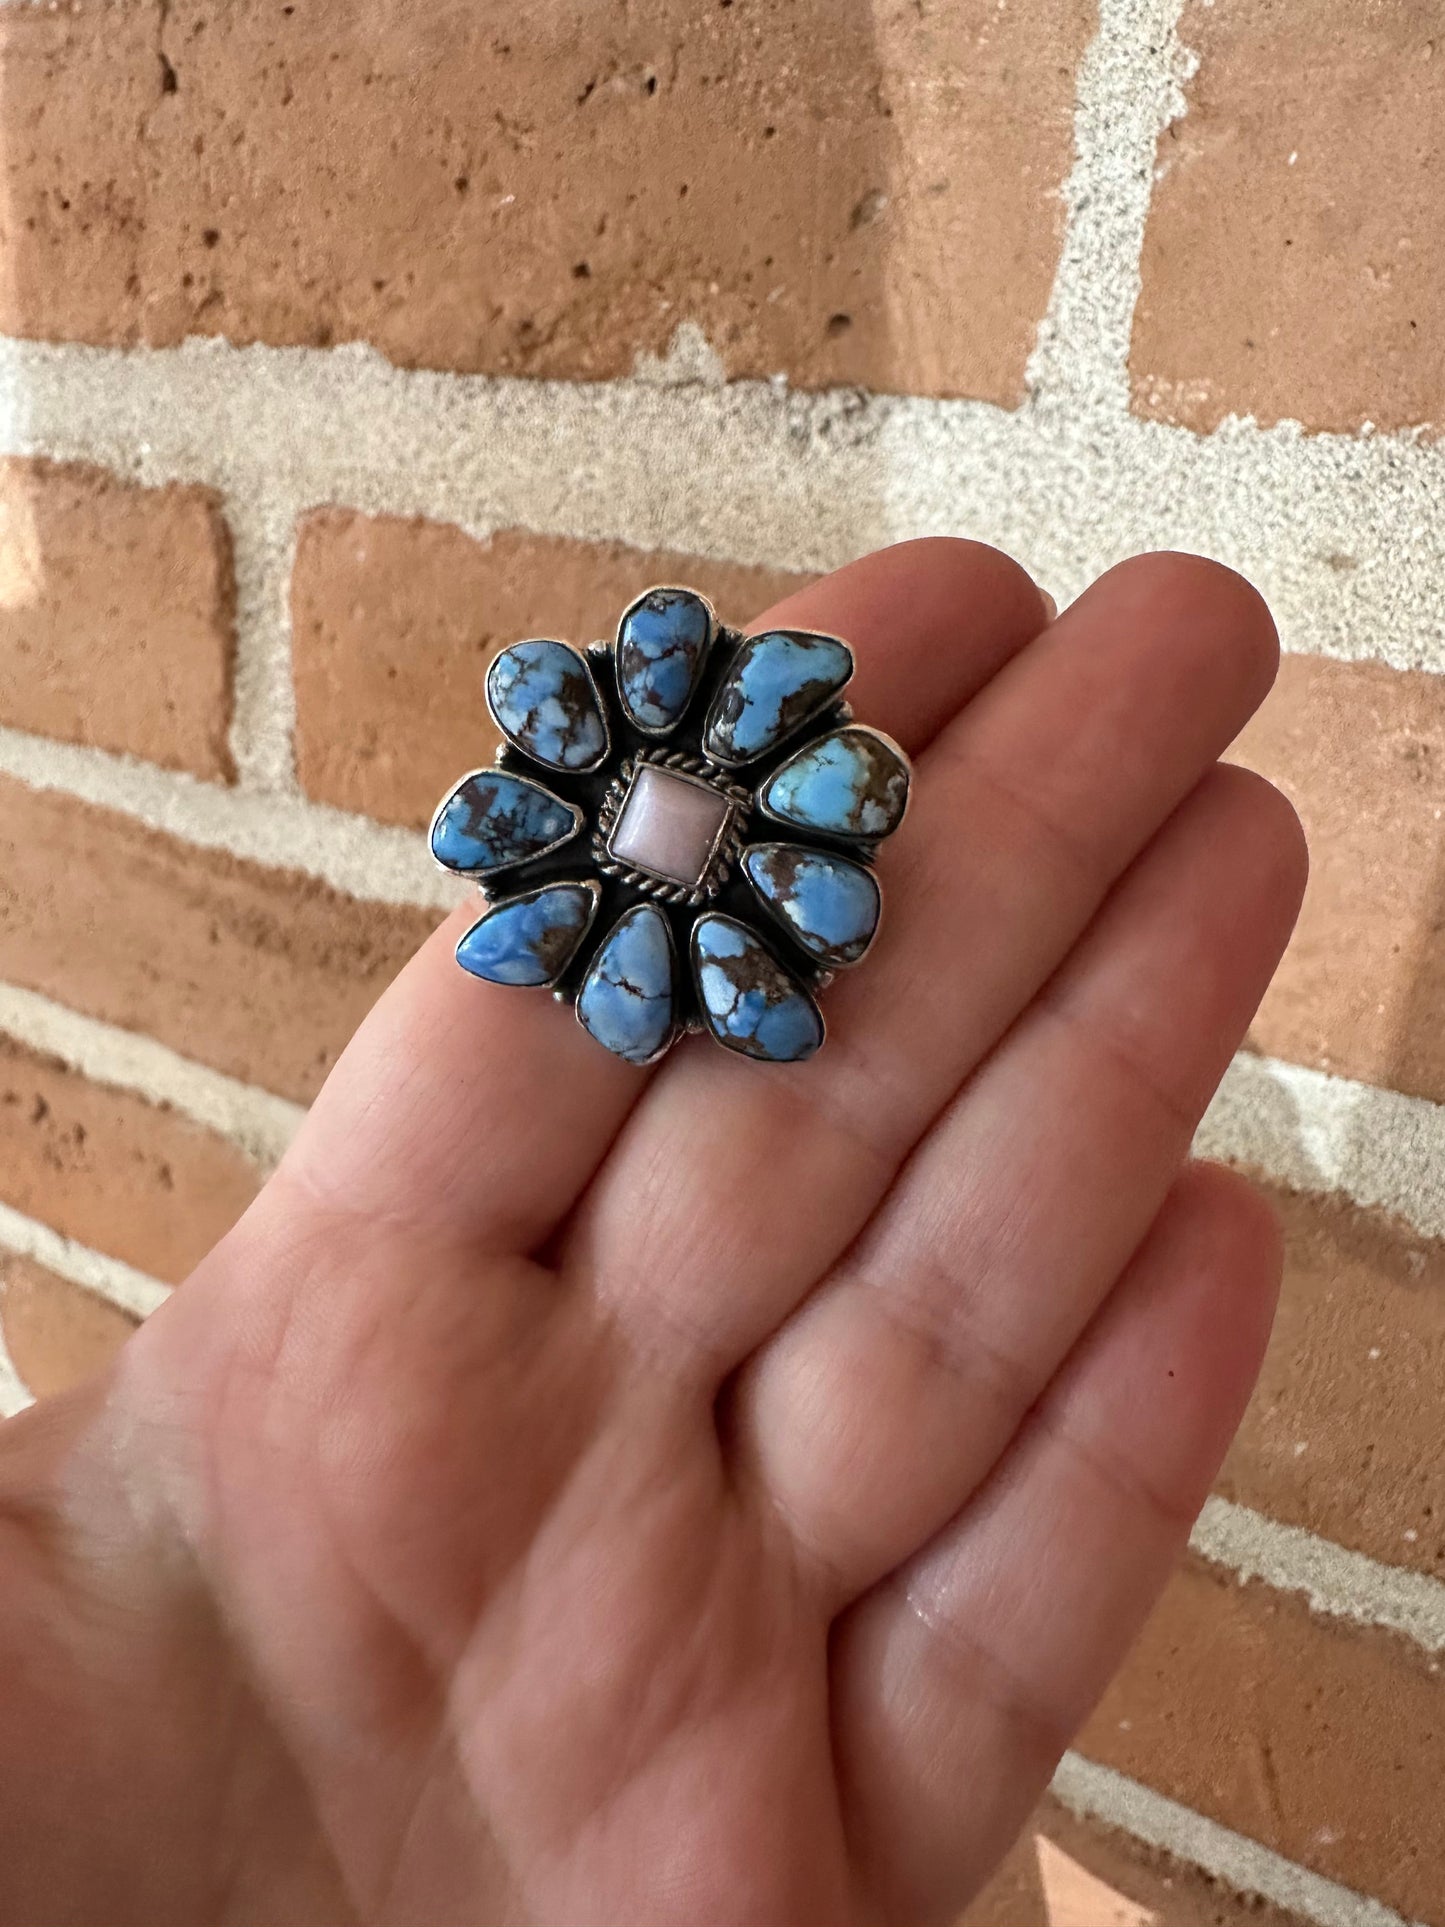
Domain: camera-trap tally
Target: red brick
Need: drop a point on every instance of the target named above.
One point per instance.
(1067, 1872)
(1360, 749)
(116, 610)
(79, 85)
(1291, 262)
(844, 191)
(261, 973)
(55, 1332)
(395, 622)
(129, 1178)
(1343, 1433)
(1321, 1739)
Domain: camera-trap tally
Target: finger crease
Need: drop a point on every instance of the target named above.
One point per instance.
(988, 1680)
(834, 1109)
(1124, 1058)
(930, 1311)
(1122, 1480)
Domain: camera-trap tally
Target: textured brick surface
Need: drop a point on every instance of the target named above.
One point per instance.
(1323, 1739)
(103, 1166)
(1343, 1434)
(1360, 749)
(261, 973)
(395, 621)
(1292, 258)
(841, 190)
(80, 84)
(115, 613)
(1066, 1872)
(55, 1332)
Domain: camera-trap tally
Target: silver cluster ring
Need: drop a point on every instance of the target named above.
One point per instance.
(679, 831)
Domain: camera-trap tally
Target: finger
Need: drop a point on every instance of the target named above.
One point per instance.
(930, 622)
(876, 1410)
(468, 1109)
(960, 1681)
(482, 1113)
(1025, 810)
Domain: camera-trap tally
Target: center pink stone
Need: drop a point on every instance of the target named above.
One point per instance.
(669, 825)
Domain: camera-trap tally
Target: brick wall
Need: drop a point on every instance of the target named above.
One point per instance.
(317, 383)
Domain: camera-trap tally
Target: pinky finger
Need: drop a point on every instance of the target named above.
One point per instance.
(960, 1680)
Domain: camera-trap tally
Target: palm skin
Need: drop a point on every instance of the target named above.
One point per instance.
(715, 1495)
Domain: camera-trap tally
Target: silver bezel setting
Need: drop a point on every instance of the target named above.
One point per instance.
(844, 709)
(861, 838)
(581, 656)
(496, 768)
(828, 967)
(589, 884)
(757, 937)
(655, 731)
(675, 1027)
(704, 848)
(726, 844)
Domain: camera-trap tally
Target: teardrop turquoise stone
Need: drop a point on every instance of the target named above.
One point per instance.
(827, 903)
(661, 643)
(494, 819)
(529, 940)
(543, 698)
(776, 682)
(626, 999)
(749, 1002)
(852, 783)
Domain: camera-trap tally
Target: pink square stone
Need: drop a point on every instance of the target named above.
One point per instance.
(669, 825)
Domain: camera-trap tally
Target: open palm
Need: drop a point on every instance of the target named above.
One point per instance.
(574, 1494)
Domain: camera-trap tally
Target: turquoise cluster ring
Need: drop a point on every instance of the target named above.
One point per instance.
(679, 830)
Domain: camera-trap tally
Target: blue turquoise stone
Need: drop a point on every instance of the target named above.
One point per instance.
(661, 642)
(776, 682)
(542, 696)
(529, 940)
(493, 819)
(749, 1002)
(626, 999)
(852, 783)
(827, 903)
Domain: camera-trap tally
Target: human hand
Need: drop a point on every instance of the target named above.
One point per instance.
(715, 1495)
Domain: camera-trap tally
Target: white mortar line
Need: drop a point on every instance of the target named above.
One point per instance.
(257, 1122)
(1314, 1132)
(15, 1394)
(1342, 532)
(372, 861)
(1094, 1792)
(1336, 1582)
(263, 715)
(1129, 88)
(119, 1284)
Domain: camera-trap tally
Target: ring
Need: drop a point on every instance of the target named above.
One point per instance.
(697, 851)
